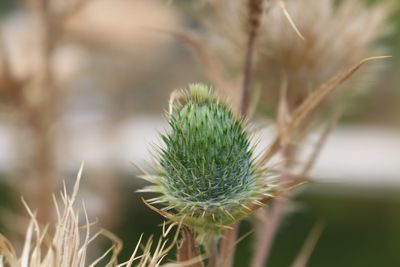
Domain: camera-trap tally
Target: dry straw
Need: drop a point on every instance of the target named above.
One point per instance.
(68, 243)
(68, 246)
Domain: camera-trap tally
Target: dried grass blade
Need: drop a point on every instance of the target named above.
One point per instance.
(319, 95)
(284, 116)
(311, 103)
(27, 246)
(212, 70)
(309, 245)
(289, 18)
(320, 144)
(7, 252)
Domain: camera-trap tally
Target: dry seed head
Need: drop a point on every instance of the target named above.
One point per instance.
(336, 36)
(207, 167)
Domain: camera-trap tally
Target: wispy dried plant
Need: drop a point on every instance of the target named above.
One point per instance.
(66, 243)
(335, 37)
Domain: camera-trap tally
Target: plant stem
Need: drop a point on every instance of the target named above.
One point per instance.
(227, 247)
(255, 11)
(212, 251)
(188, 250)
(42, 115)
(267, 235)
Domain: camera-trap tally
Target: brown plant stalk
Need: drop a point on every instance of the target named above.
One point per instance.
(254, 16)
(43, 114)
(40, 112)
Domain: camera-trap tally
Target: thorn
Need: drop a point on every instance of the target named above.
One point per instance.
(168, 208)
(258, 203)
(227, 212)
(245, 207)
(226, 227)
(213, 216)
(175, 95)
(202, 215)
(287, 15)
(184, 208)
(268, 195)
(162, 213)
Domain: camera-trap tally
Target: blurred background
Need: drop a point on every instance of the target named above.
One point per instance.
(90, 83)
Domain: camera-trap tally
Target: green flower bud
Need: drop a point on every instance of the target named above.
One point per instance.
(207, 168)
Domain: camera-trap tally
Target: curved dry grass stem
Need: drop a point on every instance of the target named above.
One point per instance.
(289, 18)
(212, 69)
(267, 235)
(308, 106)
(320, 144)
(309, 245)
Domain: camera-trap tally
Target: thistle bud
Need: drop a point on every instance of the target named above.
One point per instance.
(207, 166)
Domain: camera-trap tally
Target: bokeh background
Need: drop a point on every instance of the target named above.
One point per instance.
(114, 66)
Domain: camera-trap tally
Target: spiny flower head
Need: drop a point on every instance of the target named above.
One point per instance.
(207, 167)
